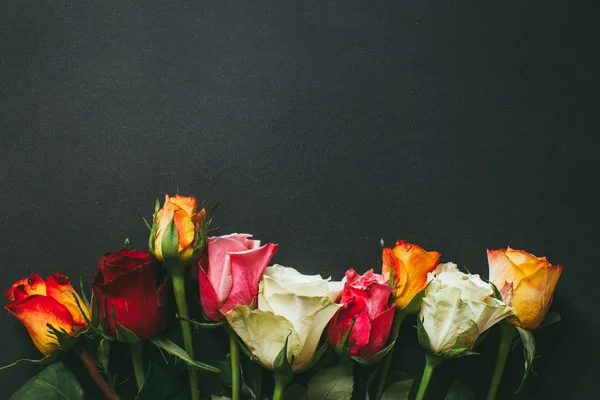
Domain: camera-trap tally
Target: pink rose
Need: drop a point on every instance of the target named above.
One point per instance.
(366, 298)
(230, 274)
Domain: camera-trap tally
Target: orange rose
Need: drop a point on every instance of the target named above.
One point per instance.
(526, 283)
(36, 303)
(187, 223)
(410, 264)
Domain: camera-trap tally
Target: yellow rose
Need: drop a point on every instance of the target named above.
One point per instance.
(526, 283)
(187, 223)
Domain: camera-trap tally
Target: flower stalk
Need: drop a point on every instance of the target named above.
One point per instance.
(178, 278)
(234, 353)
(507, 335)
(282, 380)
(398, 319)
(138, 363)
(90, 364)
(431, 362)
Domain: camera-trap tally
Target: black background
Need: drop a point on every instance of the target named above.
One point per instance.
(323, 126)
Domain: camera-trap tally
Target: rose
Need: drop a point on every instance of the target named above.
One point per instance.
(293, 309)
(182, 241)
(366, 308)
(456, 309)
(410, 265)
(526, 283)
(125, 283)
(230, 274)
(36, 303)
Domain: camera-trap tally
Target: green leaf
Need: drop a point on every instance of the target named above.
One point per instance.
(551, 318)
(170, 244)
(215, 397)
(422, 335)
(333, 383)
(295, 392)
(123, 334)
(528, 352)
(82, 290)
(459, 391)
(281, 362)
(392, 377)
(174, 350)
(399, 390)
(102, 354)
(44, 361)
(161, 384)
(206, 325)
(55, 382)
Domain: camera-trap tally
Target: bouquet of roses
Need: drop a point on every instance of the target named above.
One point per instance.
(308, 332)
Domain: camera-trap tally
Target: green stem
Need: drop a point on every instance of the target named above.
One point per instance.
(507, 335)
(178, 277)
(398, 319)
(431, 362)
(234, 352)
(138, 363)
(282, 380)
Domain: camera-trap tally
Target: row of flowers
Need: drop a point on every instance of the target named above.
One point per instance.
(278, 316)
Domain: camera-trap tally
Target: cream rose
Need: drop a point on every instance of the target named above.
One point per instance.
(292, 307)
(456, 309)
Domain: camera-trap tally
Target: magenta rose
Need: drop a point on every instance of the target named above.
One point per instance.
(365, 298)
(230, 274)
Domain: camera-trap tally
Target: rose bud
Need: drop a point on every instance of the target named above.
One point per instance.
(410, 265)
(526, 283)
(125, 284)
(293, 309)
(456, 309)
(230, 274)
(367, 310)
(186, 229)
(36, 303)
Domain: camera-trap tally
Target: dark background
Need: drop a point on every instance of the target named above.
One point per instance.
(322, 126)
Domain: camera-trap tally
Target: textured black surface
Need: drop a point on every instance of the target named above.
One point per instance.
(323, 126)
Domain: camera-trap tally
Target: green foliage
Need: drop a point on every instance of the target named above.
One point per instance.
(459, 391)
(161, 385)
(333, 383)
(55, 382)
(171, 348)
(528, 352)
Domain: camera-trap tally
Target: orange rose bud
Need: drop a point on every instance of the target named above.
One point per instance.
(181, 241)
(526, 283)
(410, 265)
(36, 303)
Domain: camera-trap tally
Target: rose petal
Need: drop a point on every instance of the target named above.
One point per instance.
(59, 287)
(35, 312)
(533, 296)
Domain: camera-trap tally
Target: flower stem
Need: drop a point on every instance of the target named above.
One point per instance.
(138, 363)
(398, 319)
(431, 362)
(178, 277)
(282, 380)
(507, 334)
(90, 365)
(234, 352)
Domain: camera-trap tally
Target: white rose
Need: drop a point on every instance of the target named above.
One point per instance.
(457, 308)
(291, 306)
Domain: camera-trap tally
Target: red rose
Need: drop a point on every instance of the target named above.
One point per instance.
(366, 298)
(126, 281)
(229, 276)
